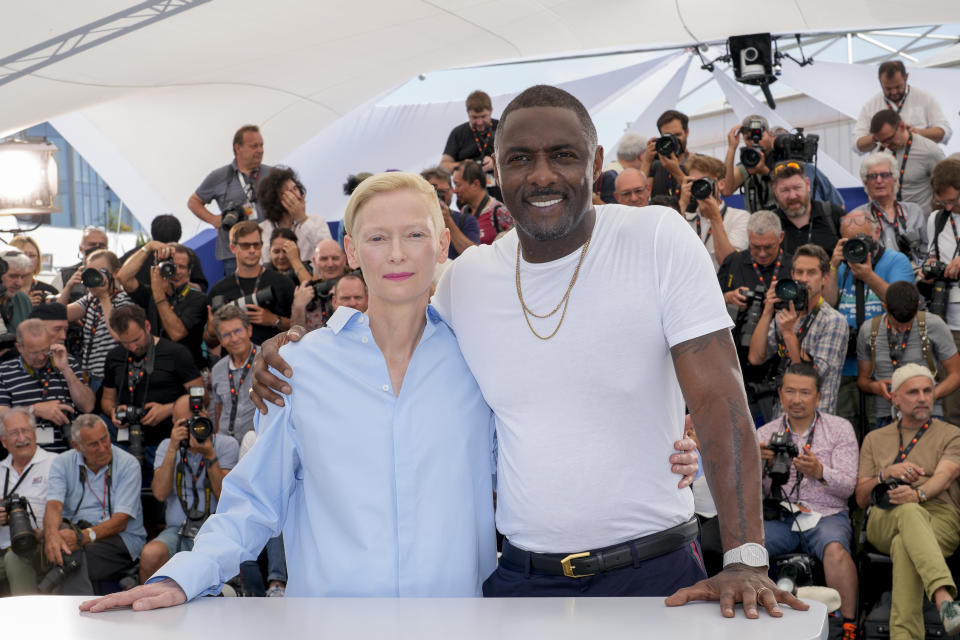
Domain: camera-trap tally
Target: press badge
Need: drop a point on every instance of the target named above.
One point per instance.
(45, 434)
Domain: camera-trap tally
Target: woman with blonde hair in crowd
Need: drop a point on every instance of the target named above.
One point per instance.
(35, 288)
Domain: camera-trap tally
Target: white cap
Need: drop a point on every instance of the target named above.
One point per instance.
(907, 371)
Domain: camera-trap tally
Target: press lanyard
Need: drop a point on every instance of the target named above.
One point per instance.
(898, 217)
(256, 284)
(897, 348)
(903, 101)
(903, 166)
(41, 376)
(248, 187)
(235, 390)
(776, 270)
(95, 311)
(102, 503)
(956, 239)
(6, 481)
(801, 330)
(482, 148)
(809, 443)
(902, 455)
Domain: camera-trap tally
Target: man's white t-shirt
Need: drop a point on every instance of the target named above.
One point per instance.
(586, 421)
(33, 487)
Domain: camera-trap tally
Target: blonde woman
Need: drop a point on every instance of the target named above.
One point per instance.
(36, 289)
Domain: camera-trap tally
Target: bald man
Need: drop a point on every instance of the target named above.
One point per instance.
(329, 260)
(631, 188)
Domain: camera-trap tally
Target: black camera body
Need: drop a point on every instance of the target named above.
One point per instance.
(668, 145)
(200, 427)
(91, 277)
(784, 451)
(795, 146)
(57, 574)
(18, 509)
(939, 296)
(322, 292)
(794, 570)
(856, 250)
(880, 496)
(703, 188)
(750, 157)
(168, 269)
(261, 298)
(755, 298)
(789, 290)
(130, 417)
(231, 215)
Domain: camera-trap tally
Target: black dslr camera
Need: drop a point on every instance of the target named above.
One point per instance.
(91, 277)
(231, 215)
(784, 451)
(200, 427)
(880, 496)
(322, 292)
(259, 298)
(168, 269)
(703, 188)
(22, 540)
(750, 157)
(939, 291)
(130, 417)
(795, 570)
(856, 250)
(754, 310)
(795, 146)
(789, 290)
(57, 574)
(668, 145)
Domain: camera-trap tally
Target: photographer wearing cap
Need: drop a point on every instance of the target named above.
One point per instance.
(903, 224)
(805, 328)
(46, 381)
(665, 157)
(93, 514)
(861, 269)
(804, 220)
(908, 471)
(722, 229)
(175, 310)
(251, 281)
(94, 309)
(145, 374)
(23, 475)
(900, 336)
(758, 157)
(188, 485)
(811, 460)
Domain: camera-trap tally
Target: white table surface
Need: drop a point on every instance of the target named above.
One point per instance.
(406, 618)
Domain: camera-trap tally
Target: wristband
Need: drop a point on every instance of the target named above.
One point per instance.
(211, 461)
(276, 325)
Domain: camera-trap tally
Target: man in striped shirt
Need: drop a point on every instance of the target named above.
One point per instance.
(45, 379)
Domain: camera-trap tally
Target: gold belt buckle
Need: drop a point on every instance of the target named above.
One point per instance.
(568, 570)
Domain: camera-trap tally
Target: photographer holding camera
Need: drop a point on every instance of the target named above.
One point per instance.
(144, 376)
(45, 381)
(903, 224)
(861, 269)
(187, 477)
(93, 514)
(175, 310)
(234, 187)
(94, 309)
(908, 471)
(762, 151)
(811, 460)
(265, 295)
(805, 328)
(665, 157)
(908, 336)
(722, 229)
(23, 501)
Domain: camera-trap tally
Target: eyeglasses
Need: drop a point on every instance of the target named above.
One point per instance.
(947, 204)
(248, 245)
(873, 177)
(783, 166)
(236, 333)
(639, 191)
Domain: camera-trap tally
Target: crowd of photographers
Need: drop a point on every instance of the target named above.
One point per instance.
(130, 373)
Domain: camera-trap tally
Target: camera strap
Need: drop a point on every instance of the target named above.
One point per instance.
(903, 166)
(207, 489)
(801, 332)
(137, 373)
(6, 481)
(813, 427)
(107, 503)
(256, 283)
(956, 236)
(897, 345)
(903, 453)
(235, 389)
(248, 186)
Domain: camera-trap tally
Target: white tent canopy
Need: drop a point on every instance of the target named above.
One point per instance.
(154, 91)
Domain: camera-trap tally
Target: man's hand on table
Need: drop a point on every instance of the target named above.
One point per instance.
(157, 595)
(739, 583)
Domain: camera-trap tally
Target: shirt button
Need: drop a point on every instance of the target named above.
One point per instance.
(360, 320)
(364, 340)
(385, 387)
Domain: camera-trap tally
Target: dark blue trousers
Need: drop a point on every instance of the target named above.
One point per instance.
(659, 576)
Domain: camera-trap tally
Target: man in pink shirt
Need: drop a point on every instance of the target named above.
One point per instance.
(820, 477)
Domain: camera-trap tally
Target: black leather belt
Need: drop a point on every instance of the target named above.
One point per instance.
(588, 563)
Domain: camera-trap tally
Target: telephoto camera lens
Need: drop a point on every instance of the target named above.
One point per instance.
(200, 427)
(57, 575)
(702, 188)
(668, 145)
(790, 290)
(91, 277)
(168, 269)
(22, 540)
(750, 157)
(857, 250)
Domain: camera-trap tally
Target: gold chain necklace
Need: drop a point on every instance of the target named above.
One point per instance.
(564, 301)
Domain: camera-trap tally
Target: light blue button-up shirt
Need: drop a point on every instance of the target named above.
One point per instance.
(96, 499)
(376, 494)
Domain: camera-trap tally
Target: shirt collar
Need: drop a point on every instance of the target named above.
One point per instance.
(345, 317)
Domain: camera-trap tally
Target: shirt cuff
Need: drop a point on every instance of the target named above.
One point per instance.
(195, 573)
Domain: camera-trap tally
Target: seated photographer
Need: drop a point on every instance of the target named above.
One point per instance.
(761, 152)
(252, 284)
(744, 278)
(665, 158)
(900, 336)
(860, 261)
(45, 381)
(804, 220)
(25, 471)
(310, 309)
(93, 515)
(908, 472)
(15, 304)
(94, 308)
(722, 229)
(281, 198)
(229, 379)
(811, 460)
(285, 257)
(188, 474)
(176, 310)
(144, 376)
(903, 224)
(805, 329)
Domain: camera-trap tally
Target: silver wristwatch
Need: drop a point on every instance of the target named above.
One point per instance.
(750, 554)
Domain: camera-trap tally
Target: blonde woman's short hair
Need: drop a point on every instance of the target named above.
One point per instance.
(21, 241)
(389, 182)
